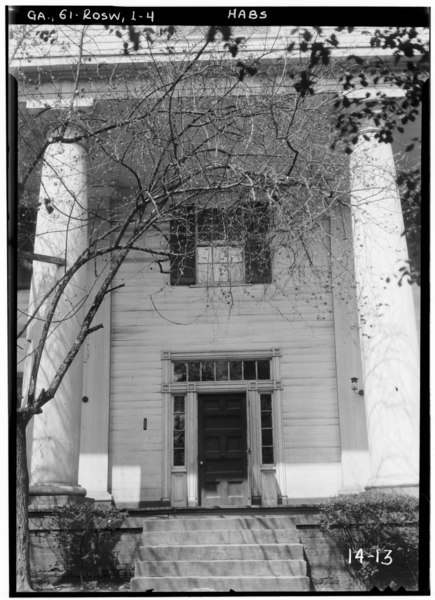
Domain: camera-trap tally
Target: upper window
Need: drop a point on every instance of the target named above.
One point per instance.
(221, 245)
(25, 241)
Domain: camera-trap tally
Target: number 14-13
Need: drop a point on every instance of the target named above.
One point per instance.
(359, 555)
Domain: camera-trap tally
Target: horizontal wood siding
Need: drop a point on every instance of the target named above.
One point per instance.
(149, 316)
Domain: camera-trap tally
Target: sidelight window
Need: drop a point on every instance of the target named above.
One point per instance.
(179, 431)
(267, 454)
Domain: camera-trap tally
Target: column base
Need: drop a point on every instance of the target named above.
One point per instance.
(49, 495)
(99, 496)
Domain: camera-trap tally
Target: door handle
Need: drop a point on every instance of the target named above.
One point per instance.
(201, 462)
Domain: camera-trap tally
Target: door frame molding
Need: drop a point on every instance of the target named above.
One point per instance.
(180, 484)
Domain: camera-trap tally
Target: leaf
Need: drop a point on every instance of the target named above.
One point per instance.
(333, 40)
(307, 35)
(226, 32)
(211, 33)
(290, 47)
(356, 58)
(232, 48)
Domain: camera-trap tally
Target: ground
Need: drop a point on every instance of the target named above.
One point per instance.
(100, 585)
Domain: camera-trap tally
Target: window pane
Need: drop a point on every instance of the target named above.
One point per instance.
(266, 437)
(205, 273)
(221, 370)
(182, 242)
(263, 369)
(194, 371)
(178, 458)
(235, 369)
(205, 254)
(266, 402)
(235, 273)
(258, 256)
(179, 404)
(267, 455)
(249, 369)
(205, 225)
(179, 422)
(178, 439)
(266, 419)
(207, 371)
(26, 226)
(179, 371)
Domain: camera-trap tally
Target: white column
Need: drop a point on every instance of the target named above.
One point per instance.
(61, 232)
(388, 332)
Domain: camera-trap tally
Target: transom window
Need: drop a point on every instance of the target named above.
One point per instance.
(221, 370)
(221, 245)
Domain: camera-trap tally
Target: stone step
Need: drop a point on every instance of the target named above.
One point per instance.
(234, 552)
(219, 522)
(208, 537)
(221, 568)
(220, 584)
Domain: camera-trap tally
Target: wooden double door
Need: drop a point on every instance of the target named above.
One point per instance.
(222, 450)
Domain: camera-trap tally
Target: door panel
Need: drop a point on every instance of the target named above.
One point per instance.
(222, 445)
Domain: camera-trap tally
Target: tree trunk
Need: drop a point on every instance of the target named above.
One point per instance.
(23, 580)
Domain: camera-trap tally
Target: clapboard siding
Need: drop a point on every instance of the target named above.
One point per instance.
(296, 318)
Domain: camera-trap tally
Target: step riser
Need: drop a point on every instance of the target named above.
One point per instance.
(222, 568)
(218, 523)
(197, 538)
(224, 552)
(220, 584)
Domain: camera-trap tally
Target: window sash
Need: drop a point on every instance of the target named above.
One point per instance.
(210, 248)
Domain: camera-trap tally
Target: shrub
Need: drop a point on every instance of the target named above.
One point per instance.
(85, 538)
(378, 533)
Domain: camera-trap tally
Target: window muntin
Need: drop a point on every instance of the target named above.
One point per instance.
(267, 453)
(221, 370)
(221, 245)
(220, 264)
(179, 431)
